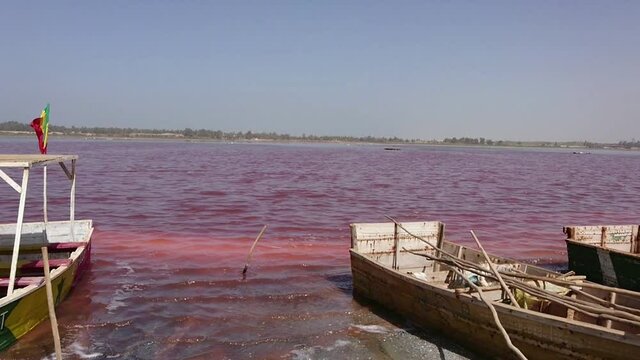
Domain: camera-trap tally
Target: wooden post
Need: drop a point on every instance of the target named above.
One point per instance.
(45, 239)
(52, 310)
(16, 241)
(570, 312)
(603, 237)
(396, 247)
(44, 196)
(436, 265)
(612, 300)
(72, 205)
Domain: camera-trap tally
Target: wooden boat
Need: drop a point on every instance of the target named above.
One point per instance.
(24, 304)
(606, 254)
(391, 266)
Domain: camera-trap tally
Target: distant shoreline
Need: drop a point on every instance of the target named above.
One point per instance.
(172, 138)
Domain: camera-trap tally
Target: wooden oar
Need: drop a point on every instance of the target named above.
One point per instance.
(52, 311)
(571, 303)
(246, 264)
(566, 283)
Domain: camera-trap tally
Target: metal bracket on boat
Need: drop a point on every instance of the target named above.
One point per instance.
(70, 174)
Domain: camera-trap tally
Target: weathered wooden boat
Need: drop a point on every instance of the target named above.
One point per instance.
(606, 254)
(24, 304)
(556, 317)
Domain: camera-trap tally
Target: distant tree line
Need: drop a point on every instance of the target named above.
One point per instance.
(204, 134)
(630, 144)
(73, 130)
(189, 133)
(468, 141)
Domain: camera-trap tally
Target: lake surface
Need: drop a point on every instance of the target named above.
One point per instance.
(175, 221)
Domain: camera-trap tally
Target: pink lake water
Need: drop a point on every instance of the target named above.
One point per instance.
(175, 220)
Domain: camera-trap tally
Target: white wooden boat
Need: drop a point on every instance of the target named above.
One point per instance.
(24, 302)
(389, 267)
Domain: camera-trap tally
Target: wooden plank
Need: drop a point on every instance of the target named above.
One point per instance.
(633, 247)
(436, 265)
(4, 176)
(396, 246)
(612, 300)
(597, 234)
(30, 160)
(50, 302)
(22, 281)
(57, 231)
(570, 312)
(34, 265)
(52, 248)
(66, 171)
(17, 238)
(380, 237)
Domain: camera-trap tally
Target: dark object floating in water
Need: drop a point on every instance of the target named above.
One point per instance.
(392, 148)
(581, 152)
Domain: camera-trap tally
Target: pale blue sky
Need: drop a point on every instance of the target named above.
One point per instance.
(521, 70)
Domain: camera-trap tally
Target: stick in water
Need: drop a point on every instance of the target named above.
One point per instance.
(52, 311)
(246, 265)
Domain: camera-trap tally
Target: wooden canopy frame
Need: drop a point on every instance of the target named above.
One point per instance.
(27, 162)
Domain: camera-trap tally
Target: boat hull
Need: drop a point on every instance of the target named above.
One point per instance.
(469, 321)
(28, 307)
(604, 266)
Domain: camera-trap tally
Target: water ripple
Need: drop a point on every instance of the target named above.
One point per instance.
(174, 222)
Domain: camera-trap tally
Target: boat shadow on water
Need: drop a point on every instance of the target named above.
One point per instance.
(416, 342)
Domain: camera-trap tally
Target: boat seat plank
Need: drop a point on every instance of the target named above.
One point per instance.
(60, 247)
(22, 281)
(39, 264)
(35, 265)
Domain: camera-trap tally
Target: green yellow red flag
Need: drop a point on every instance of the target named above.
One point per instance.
(41, 127)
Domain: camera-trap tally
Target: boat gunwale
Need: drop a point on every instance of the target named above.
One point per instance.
(600, 247)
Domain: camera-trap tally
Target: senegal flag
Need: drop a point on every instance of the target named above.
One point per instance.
(41, 127)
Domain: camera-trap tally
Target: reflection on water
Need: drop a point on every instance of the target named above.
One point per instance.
(175, 220)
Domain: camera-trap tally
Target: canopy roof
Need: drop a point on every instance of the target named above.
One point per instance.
(30, 160)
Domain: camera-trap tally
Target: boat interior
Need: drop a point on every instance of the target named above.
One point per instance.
(61, 245)
(404, 249)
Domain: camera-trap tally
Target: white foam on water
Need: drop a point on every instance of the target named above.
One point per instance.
(308, 353)
(76, 349)
(374, 329)
(118, 300)
(129, 270)
(124, 292)
(341, 343)
(82, 351)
